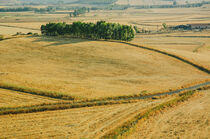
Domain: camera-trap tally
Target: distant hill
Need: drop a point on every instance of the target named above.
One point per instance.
(69, 1)
(156, 2)
(7, 1)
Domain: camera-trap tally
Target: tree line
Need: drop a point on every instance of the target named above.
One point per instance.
(174, 5)
(20, 9)
(79, 11)
(99, 30)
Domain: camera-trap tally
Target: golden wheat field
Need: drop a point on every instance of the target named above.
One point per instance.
(76, 123)
(90, 69)
(15, 99)
(194, 46)
(188, 121)
(107, 78)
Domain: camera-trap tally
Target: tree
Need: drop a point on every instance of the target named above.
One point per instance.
(164, 26)
(100, 30)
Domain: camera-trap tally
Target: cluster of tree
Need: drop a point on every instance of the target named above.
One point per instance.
(79, 11)
(111, 7)
(25, 9)
(181, 27)
(100, 30)
(45, 10)
(192, 5)
(20, 9)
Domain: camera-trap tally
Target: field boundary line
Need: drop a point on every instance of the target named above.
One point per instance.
(9, 26)
(129, 126)
(50, 94)
(79, 104)
(199, 67)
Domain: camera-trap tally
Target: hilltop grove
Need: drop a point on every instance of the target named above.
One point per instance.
(100, 30)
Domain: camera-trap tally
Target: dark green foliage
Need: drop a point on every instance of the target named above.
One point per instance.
(79, 11)
(174, 5)
(45, 10)
(100, 30)
(20, 9)
(29, 33)
(136, 29)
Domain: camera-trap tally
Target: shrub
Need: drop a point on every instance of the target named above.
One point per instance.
(1, 37)
(29, 33)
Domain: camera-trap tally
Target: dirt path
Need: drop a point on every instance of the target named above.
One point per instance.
(189, 121)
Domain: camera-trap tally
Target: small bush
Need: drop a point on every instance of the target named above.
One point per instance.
(36, 34)
(29, 33)
(1, 37)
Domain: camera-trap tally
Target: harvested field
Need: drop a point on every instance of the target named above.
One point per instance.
(193, 46)
(191, 120)
(90, 69)
(15, 99)
(75, 123)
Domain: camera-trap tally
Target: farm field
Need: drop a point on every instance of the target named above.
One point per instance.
(74, 123)
(15, 99)
(154, 2)
(191, 120)
(147, 19)
(194, 46)
(104, 79)
(90, 69)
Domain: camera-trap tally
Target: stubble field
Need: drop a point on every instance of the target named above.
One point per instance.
(99, 69)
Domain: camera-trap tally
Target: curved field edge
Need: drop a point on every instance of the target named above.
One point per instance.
(182, 59)
(196, 65)
(128, 127)
(58, 106)
(51, 94)
(64, 96)
(70, 105)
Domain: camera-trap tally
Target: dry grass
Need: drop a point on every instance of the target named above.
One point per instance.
(193, 46)
(95, 70)
(15, 99)
(89, 68)
(75, 123)
(188, 121)
(129, 126)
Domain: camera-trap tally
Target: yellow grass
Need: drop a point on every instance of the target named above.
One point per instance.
(191, 45)
(188, 121)
(89, 68)
(75, 123)
(15, 99)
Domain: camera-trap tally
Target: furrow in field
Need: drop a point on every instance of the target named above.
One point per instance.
(195, 65)
(67, 123)
(15, 99)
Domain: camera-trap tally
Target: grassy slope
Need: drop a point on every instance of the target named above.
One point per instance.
(190, 45)
(89, 68)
